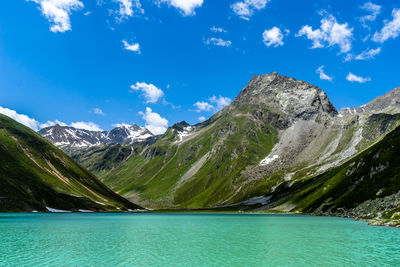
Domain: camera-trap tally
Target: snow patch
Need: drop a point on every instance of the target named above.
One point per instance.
(268, 160)
(186, 131)
(56, 210)
(85, 210)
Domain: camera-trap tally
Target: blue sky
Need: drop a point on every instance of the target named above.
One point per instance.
(95, 64)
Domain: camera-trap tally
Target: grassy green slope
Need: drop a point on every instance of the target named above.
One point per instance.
(157, 175)
(35, 174)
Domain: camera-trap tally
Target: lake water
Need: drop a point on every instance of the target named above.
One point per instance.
(193, 240)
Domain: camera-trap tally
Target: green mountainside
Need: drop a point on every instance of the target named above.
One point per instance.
(275, 135)
(366, 186)
(35, 175)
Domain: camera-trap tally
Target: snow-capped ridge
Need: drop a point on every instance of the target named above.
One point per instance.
(63, 136)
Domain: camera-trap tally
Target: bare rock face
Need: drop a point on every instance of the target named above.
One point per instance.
(281, 94)
(387, 103)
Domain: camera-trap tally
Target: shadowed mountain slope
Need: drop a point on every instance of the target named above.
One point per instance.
(35, 175)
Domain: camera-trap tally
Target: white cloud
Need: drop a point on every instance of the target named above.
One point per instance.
(390, 30)
(245, 8)
(373, 9)
(202, 118)
(127, 8)
(217, 29)
(135, 47)
(121, 125)
(21, 118)
(58, 12)
(273, 37)
(218, 42)
(52, 123)
(220, 101)
(150, 92)
(322, 74)
(187, 7)
(90, 126)
(154, 122)
(364, 55)
(329, 34)
(97, 111)
(354, 78)
(35, 125)
(203, 106)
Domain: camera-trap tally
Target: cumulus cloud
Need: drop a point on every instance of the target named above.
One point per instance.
(391, 30)
(273, 37)
(21, 118)
(90, 126)
(373, 10)
(154, 122)
(35, 125)
(217, 29)
(202, 118)
(364, 55)
(218, 42)
(52, 123)
(217, 104)
(150, 92)
(220, 101)
(127, 8)
(203, 106)
(121, 125)
(322, 74)
(186, 7)
(245, 8)
(354, 78)
(329, 34)
(97, 111)
(58, 12)
(134, 47)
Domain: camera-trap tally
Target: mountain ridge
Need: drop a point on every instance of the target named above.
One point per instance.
(70, 137)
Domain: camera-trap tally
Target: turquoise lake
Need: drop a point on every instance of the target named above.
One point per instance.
(193, 240)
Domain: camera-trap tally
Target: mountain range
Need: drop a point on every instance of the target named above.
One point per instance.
(277, 134)
(70, 137)
(280, 146)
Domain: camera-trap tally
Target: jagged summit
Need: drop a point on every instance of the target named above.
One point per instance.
(387, 103)
(279, 93)
(66, 136)
(127, 134)
(179, 126)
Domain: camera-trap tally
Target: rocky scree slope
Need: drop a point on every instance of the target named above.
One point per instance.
(366, 187)
(35, 175)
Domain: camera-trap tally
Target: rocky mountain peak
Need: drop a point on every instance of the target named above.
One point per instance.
(279, 93)
(387, 103)
(126, 134)
(180, 126)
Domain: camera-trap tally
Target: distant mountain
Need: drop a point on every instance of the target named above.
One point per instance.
(70, 137)
(275, 136)
(35, 175)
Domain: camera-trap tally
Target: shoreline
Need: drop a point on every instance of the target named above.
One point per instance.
(370, 222)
